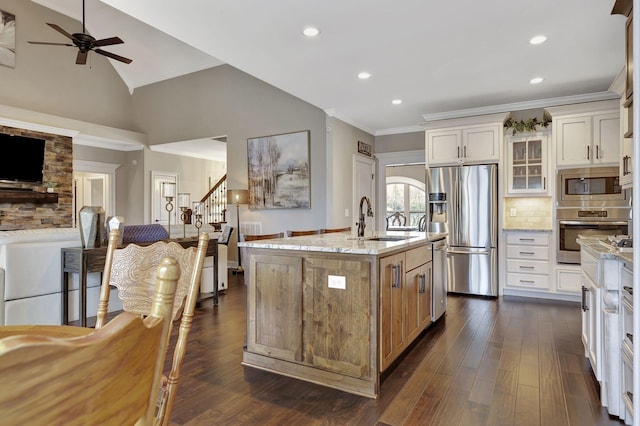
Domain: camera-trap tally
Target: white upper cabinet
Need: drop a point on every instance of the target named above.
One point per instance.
(465, 141)
(527, 164)
(587, 139)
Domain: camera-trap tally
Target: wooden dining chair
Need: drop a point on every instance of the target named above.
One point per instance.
(332, 230)
(302, 233)
(130, 270)
(108, 376)
(396, 219)
(263, 236)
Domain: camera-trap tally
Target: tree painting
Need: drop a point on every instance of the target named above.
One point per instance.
(279, 175)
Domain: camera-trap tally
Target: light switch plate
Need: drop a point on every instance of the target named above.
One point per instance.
(337, 281)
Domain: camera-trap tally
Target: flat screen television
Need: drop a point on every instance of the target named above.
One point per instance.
(21, 159)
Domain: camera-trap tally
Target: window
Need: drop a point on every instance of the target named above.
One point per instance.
(407, 196)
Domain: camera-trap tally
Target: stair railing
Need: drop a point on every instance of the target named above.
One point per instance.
(215, 202)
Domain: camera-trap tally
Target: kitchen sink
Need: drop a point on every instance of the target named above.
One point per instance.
(389, 238)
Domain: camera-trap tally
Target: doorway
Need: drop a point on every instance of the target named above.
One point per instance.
(93, 185)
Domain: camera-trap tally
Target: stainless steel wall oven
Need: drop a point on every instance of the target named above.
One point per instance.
(590, 202)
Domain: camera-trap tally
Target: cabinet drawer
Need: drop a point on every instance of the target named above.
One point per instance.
(527, 267)
(528, 238)
(417, 256)
(534, 282)
(528, 252)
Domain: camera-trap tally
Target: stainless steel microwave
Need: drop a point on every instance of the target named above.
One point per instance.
(590, 187)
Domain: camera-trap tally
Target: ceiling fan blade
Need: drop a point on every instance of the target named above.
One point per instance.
(81, 59)
(114, 56)
(108, 41)
(60, 30)
(51, 44)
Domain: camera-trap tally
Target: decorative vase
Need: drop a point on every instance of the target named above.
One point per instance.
(91, 222)
(116, 222)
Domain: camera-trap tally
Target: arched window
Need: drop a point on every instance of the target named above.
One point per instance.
(407, 196)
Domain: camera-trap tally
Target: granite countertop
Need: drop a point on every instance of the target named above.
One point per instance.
(344, 242)
(595, 247)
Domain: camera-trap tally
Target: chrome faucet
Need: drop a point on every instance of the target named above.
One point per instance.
(361, 224)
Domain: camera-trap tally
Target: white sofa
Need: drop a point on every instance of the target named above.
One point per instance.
(31, 278)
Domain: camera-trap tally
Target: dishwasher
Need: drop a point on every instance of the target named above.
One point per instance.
(439, 275)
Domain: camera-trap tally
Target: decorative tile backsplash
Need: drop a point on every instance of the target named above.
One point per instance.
(528, 213)
(58, 168)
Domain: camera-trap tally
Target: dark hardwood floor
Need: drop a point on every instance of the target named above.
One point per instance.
(513, 361)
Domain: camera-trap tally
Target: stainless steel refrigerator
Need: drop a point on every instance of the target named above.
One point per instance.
(463, 201)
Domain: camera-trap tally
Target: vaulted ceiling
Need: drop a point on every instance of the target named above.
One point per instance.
(439, 58)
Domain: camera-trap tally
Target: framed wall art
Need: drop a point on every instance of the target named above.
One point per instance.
(279, 173)
(7, 39)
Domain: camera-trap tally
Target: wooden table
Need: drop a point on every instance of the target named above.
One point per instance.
(81, 261)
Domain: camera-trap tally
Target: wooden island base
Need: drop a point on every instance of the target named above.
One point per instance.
(335, 318)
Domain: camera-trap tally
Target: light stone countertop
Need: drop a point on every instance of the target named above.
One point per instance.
(594, 246)
(344, 242)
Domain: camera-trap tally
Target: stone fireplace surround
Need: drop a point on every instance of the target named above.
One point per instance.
(58, 168)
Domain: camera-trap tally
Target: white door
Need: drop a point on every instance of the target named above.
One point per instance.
(363, 186)
(159, 213)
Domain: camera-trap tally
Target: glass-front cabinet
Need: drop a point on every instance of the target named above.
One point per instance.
(527, 168)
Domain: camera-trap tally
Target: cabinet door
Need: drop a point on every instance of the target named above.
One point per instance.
(606, 138)
(480, 144)
(573, 141)
(417, 300)
(276, 283)
(444, 147)
(527, 169)
(336, 320)
(392, 283)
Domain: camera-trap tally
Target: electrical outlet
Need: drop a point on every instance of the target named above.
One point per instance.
(512, 212)
(337, 281)
(346, 212)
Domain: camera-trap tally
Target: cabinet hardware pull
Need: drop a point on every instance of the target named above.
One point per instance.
(423, 283)
(597, 151)
(588, 152)
(458, 152)
(628, 289)
(527, 239)
(585, 308)
(527, 253)
(527, 281)
(527, 267)
(465, 151)
(544, 183)
(396, 271)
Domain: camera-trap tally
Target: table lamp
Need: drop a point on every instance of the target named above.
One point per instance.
(169, 192)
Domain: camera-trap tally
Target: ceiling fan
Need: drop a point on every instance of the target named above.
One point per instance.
(85, 43)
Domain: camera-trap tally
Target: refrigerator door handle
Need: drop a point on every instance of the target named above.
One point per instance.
(467, 252)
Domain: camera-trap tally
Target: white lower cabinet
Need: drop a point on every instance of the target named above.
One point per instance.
(528, 261)
(607, 326)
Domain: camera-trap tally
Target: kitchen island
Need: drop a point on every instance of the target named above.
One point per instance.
(334, 309)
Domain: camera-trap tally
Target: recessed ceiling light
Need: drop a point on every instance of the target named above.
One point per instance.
(364, 75)
(536, 80)
(538, 39)
(396, 101)
(311, 31)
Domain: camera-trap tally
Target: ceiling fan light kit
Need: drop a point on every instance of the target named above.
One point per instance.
(86, 43)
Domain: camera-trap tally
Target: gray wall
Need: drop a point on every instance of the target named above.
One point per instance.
(46, 78)
(400, 142)
(226, 101)
(342, 144)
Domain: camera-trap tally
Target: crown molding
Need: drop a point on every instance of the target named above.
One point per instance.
(398, 130)
(331, 112)
(519, 106)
